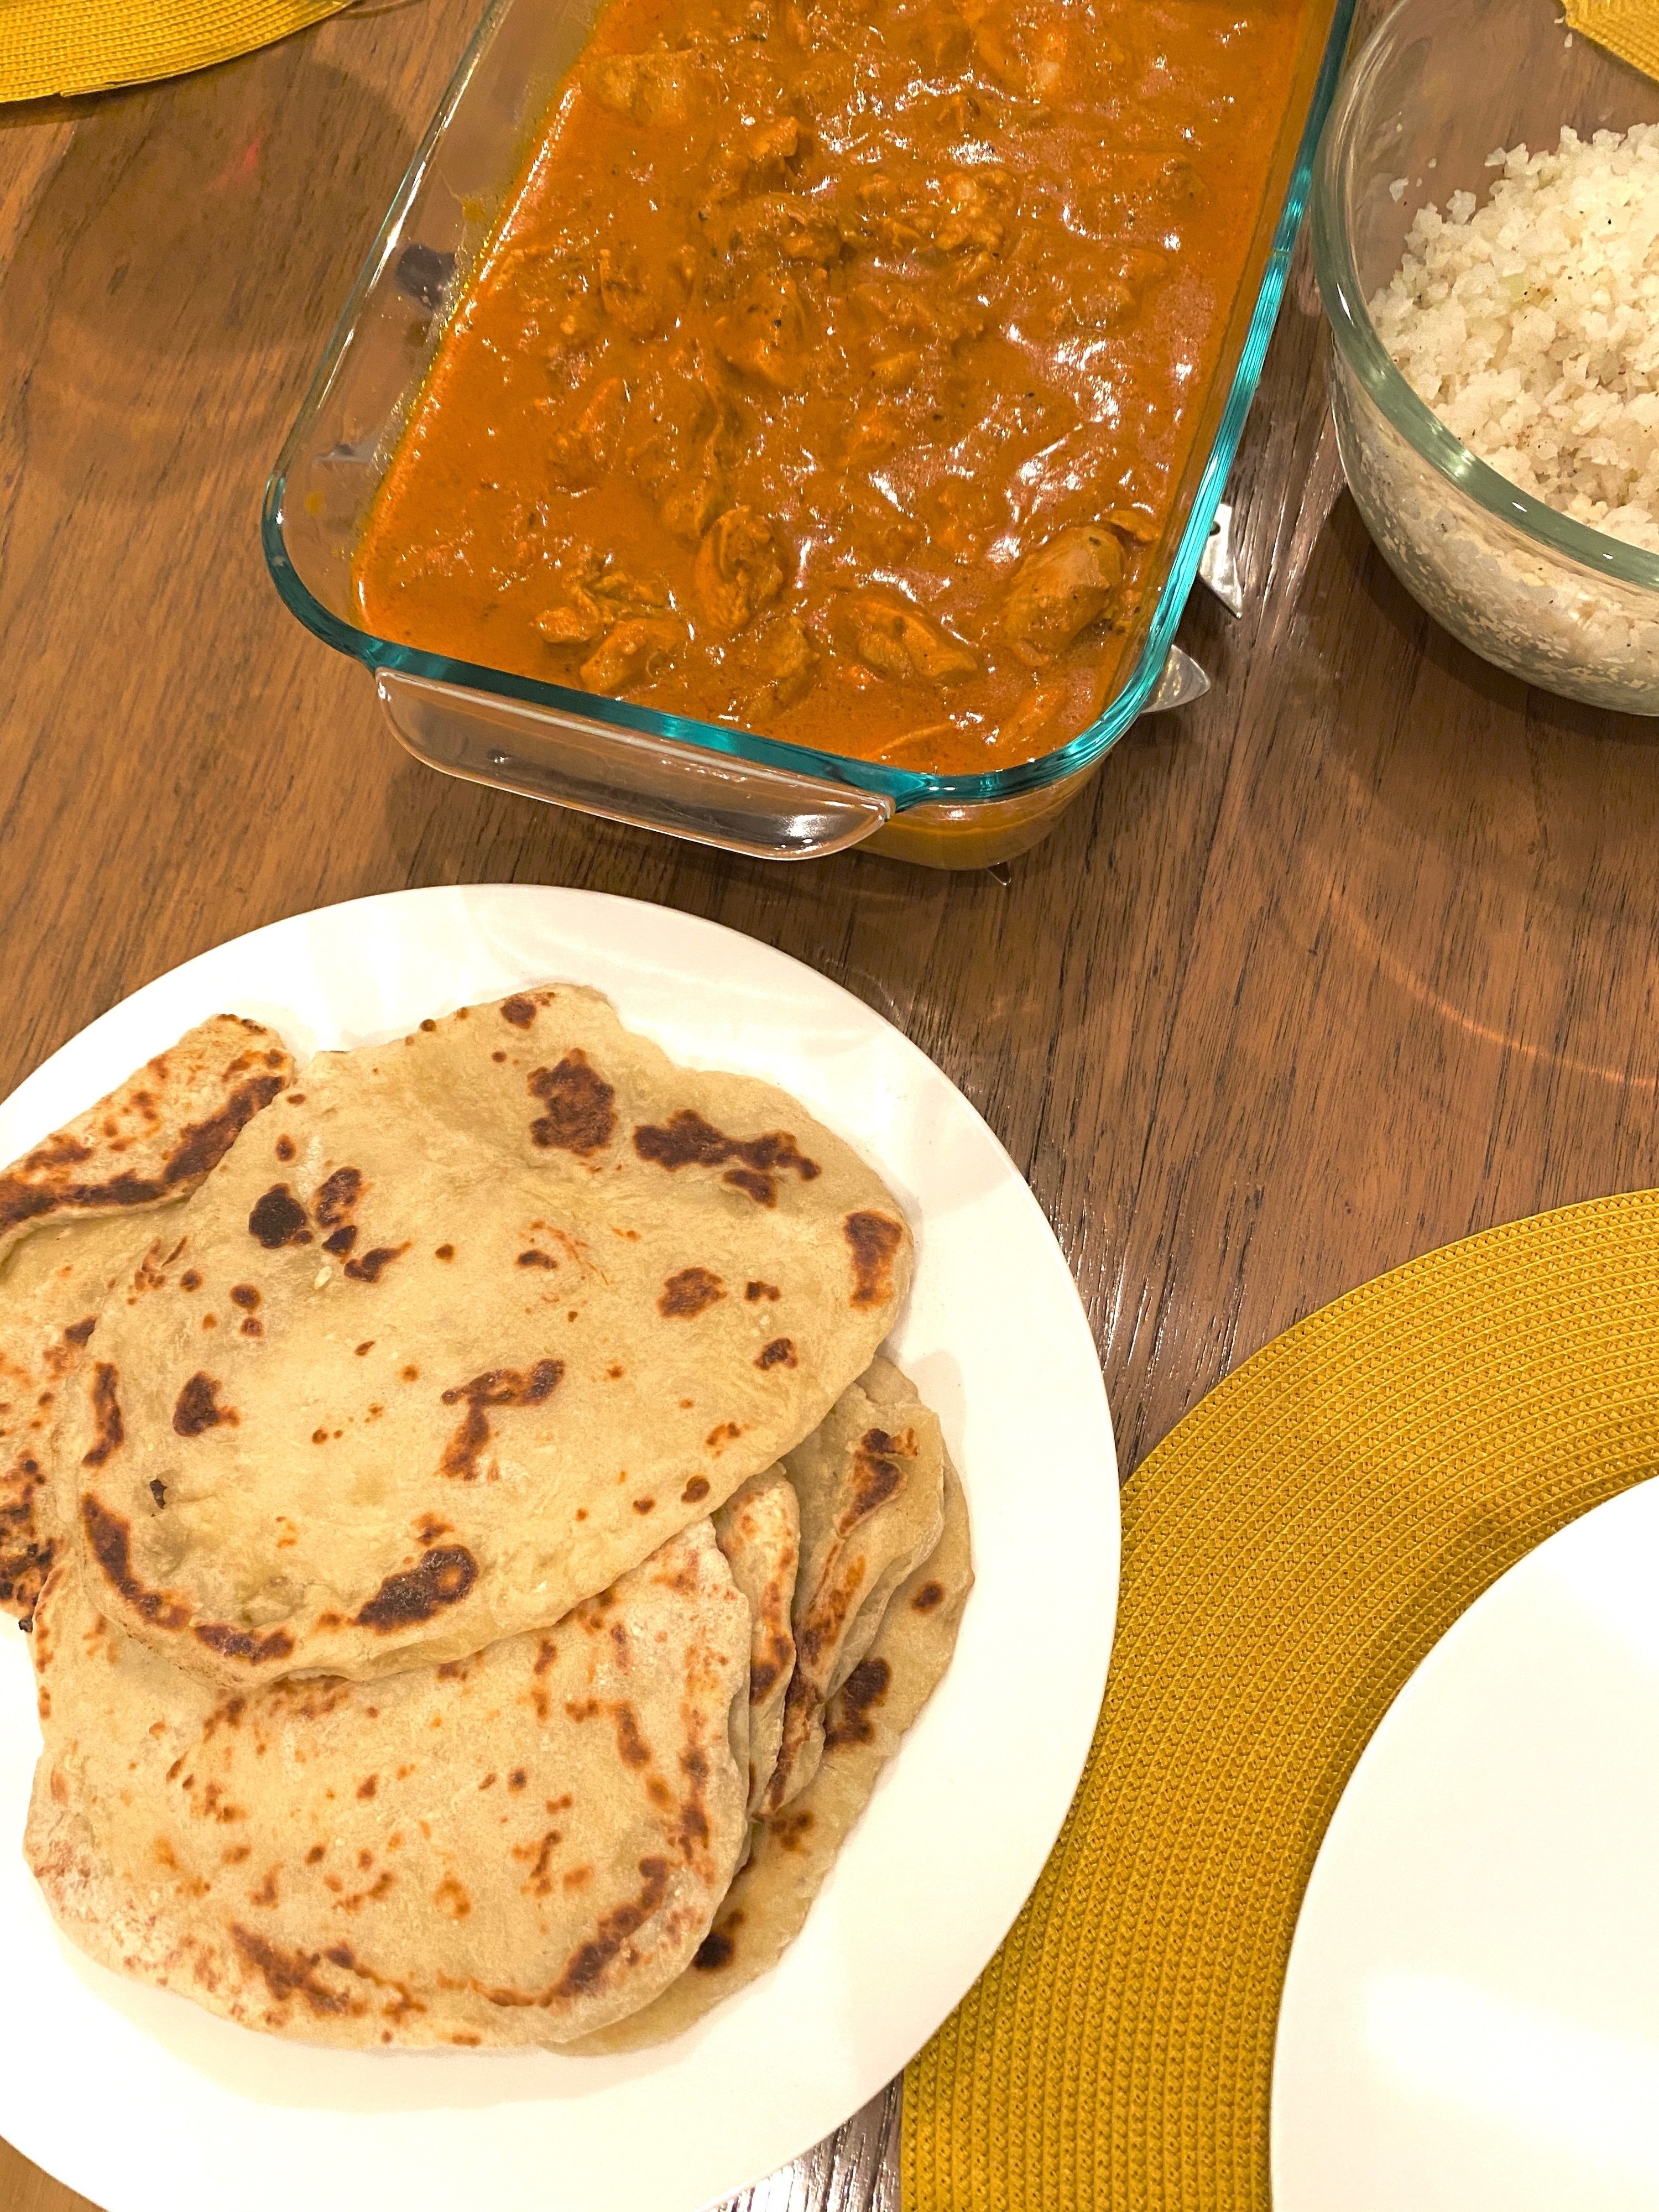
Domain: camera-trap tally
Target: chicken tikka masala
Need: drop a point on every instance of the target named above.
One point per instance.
(835, 363)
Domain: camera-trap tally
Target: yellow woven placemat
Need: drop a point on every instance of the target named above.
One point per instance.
(50, 46)
(1629, 28)
(1291, 1550)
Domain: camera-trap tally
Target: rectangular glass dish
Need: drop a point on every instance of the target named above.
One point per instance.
(714, 783)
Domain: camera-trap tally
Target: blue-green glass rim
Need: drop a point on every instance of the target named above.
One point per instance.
(905, 787)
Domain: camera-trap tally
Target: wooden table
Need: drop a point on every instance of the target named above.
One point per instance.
(1354, 956)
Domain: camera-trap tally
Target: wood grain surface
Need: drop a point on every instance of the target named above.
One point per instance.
(1352, 957)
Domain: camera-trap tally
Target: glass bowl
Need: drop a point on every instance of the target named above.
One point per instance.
(1439, 87)
(715, 784)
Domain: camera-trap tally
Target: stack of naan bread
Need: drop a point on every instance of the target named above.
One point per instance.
(477, 1560)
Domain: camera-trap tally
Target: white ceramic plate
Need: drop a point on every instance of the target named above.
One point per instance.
(138, 2099)
(1471, 2017)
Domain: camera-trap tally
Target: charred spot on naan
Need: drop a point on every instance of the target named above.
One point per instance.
(243, 1643)
(109, 1538)
(876, 1240)
(109, 1431)
(687, 1140)
(631, 1747)
(371, 1265)
(779, 1353)
(877, 1473)
(820, 1632)
(719, 1947)
(149, 1274)
(497, 1386)
(278, 1218)
(199, 1408)
(588, 1965)
(579, 1112)
(26, 1556)
(848, 1720)
(689, 1293)
(333, 1206)
(290, 1974)
(341, 1955)
(338, 1197)
(443, 1577)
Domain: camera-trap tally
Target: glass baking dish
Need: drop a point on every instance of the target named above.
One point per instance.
(714, 784)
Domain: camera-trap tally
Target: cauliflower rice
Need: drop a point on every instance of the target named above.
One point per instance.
(1531, 325)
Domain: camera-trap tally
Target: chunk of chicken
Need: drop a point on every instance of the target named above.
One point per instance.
(895, 642)
(1057, 709)
(895, 371)
(1028, 50)
(757, 161)
(879, 214)
(875, 432)
(1059, 590)
(682, 468)
(892, 307)
(779, 141)
(686, 511)
(594, 600)
(736, 571)
(941, 41)
(790, 660)
(629, 651)
(766, 335)
(646, 87)
(966, 514)
(689, 426)
(577, 620)
(974, 199)
(638, 297)
(555, 283)
(791, 227)
(582, 455)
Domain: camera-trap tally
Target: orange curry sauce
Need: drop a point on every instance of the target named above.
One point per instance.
(835, 363)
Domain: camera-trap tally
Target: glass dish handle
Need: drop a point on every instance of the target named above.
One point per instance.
(624, 776)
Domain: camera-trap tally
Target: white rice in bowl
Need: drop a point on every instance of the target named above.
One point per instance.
(1530, 324)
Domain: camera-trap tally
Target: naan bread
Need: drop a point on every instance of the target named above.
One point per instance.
(477, 1320)
(511, 1849)
(871, 1484)
(759, 1529)
(793, 1849)
(80, 1208)
(154, 1139)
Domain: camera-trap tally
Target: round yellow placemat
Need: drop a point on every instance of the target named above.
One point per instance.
(1629, 28)
(1291, 1552)
(50, 46)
